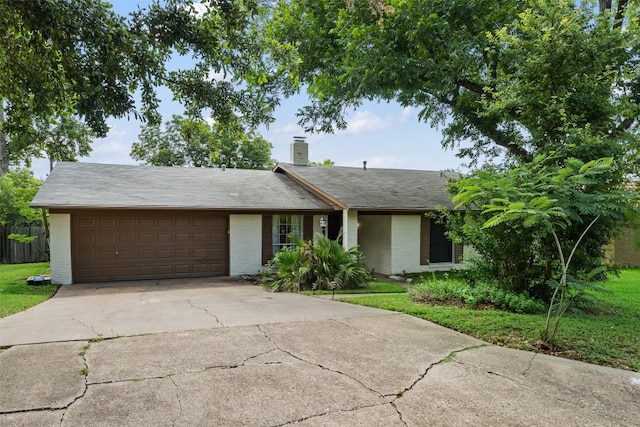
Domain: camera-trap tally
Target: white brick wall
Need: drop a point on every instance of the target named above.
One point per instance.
(245, 244)
(349, 228)
(60, 248)
(405, 243)
(374, 237)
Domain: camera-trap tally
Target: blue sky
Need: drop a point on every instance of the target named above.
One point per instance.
(384, 134)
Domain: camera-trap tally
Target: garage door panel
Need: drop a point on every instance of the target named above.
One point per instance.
(167, 245)
(145, 238)
(86, 222)
(182, 254)
(104, 237)
(144, 270)
(127, 238)
(106, 222)
(126, 255)
(107, 255)
(164, 238)
(147, 254)
(182, 237)
(164, 253)
(127, 222)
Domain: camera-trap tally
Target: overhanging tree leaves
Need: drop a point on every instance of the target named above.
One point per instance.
(193, 142)
(60, 57)
(514, 78)
(57, 139)
(521, 77)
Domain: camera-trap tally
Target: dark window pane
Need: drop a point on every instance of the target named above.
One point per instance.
(440, 248)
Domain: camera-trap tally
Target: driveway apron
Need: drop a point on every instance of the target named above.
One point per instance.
(222, 352)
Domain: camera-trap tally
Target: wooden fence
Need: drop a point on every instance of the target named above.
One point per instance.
(15, 252)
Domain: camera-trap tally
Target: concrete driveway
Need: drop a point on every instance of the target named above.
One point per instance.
(223, 352)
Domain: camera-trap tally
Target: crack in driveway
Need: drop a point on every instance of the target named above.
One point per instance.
(449, 358)
(206, 311)
(317, 364)
(87, 326)
(359, 330)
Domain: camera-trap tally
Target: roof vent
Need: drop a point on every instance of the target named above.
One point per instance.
(364, 165)
(299, 151)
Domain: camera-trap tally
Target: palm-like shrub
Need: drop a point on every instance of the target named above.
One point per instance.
(316, 265)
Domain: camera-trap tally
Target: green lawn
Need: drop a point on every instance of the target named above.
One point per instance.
(15, 295)
(375, 287)
(609, 338)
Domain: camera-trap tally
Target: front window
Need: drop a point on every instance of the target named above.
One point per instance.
(283, 227)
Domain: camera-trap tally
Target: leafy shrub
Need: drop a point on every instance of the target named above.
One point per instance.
(472, 296)
(315, 265)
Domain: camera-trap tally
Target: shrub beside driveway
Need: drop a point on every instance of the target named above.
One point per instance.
(607, 334)
(15, 295)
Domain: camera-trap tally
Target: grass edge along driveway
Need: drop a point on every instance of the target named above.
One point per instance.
(15, 294)
(608, 336)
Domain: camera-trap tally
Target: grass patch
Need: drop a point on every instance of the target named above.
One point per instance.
(15, 295)
(375, 287)
(608, 336)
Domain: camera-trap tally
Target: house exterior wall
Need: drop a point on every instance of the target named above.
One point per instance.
(405, 243)
(349, 228)
(245, 244)
(624, 250)
(60, 248)
(374, 235)
(391, 244)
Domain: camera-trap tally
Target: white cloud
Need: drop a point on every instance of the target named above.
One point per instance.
(364, 121)
(197, 9)
(406, 114)
(219, 76)
(290, 129)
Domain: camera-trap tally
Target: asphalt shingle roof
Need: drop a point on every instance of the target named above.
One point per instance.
(377, 189)
(87, 185)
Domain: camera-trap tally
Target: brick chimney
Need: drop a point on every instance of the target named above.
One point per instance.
(299, 151)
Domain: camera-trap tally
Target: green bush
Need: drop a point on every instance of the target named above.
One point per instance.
(316, 265)
(454, 291)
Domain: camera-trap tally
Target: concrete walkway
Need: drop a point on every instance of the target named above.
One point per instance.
(222, 352)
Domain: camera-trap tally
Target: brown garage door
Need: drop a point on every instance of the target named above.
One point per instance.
(147, 245)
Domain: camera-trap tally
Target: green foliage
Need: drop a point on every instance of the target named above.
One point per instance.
(511, 215)
(606, 334)
(193, 142)
(451, 291)
(17, 189)
(60, 58)
(57, 139)
(550, 198)
(316, 265)
(515, 77)
(374, 287)
(325, 162)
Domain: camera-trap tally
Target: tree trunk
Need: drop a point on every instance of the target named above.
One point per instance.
(4, 154)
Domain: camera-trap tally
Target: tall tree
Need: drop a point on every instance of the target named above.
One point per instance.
(57, 139)
(61, 57)
(514, 78)
(193, 142)
(17, 189)
(519, 77)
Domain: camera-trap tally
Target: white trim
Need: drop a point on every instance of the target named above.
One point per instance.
(245, 244)
(60, 248)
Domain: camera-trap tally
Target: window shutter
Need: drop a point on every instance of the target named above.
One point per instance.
(267, 238)
(307, 227)
(458, 253)
(425, 239)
